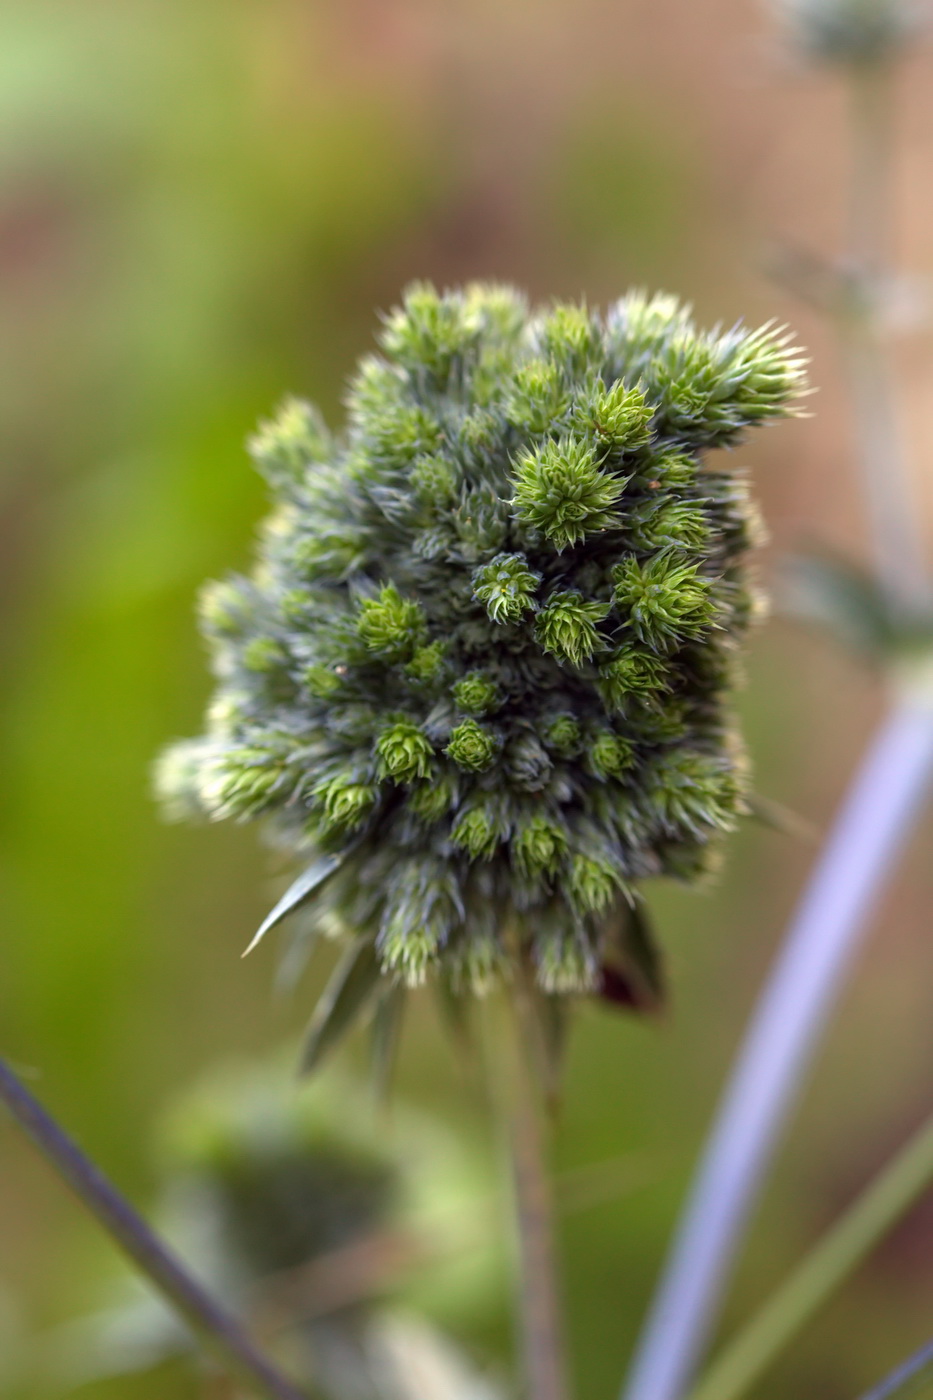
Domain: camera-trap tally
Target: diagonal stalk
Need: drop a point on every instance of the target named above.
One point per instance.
(868, 834)
(825, 1268)
(217, 1329)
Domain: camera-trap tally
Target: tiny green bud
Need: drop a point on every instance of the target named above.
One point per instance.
(434, 480)
(472, 746)
(506, 587)
(476, 693)
(389, 625)
(476, 830)
(661, 524)
(404, 752)
(594, 884)
(566, 626)
(563, 735)
(619, 415)
(538, 397)
(571, 337)
(286, 447)
(347, 805)
(561, 491)
(427, 665)
(664, 601)
(609, 754)
(538, 847)
(632, 673)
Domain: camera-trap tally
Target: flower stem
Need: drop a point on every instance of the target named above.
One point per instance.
(869, 831)
(539, 1309)
(220, 1333)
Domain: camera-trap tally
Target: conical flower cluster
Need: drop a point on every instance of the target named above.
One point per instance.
(479, 679)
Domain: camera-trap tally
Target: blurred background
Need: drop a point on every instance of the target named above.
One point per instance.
(202, 206)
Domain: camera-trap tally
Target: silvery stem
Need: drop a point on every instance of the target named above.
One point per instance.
(868, 834)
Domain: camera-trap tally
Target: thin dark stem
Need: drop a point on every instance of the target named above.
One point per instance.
(220, 1333)
(539, 1302)
(907, 1372)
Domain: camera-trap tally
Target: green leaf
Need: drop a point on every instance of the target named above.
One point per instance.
(346, 996)
(296, 894)
(386, 1034)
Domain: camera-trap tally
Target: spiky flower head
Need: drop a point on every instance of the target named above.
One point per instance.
(479, 680)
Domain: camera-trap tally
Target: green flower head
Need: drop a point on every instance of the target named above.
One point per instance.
(479, 678)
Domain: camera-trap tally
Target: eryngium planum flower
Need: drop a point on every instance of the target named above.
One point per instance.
(480, 676)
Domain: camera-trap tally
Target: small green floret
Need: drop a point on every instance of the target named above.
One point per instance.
(476, 693)
(561, 491)
(389, 625)
(619, 415)
(506, 587)
(427, 666)
(472, 746)
(477, 831)
(538, 847)
(664, 602)
(567, 626)
(632, 673)
(564, 735)
(347, 805)
(609, 754)
(594, 884)
(404, 752)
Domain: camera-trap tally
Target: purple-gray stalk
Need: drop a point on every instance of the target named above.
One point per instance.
(869, 833)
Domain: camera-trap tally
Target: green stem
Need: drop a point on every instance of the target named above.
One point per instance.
(220, 1333)
(538, 1295)
(748, 1355)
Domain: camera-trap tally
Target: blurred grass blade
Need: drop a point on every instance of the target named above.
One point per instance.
(387, 1032)
(346, 996)
(827, 1266)
(915, 1368)
(296, 894)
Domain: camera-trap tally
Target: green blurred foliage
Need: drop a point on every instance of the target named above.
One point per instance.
(201, 204)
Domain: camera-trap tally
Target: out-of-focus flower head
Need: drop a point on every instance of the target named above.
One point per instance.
(852, 31)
